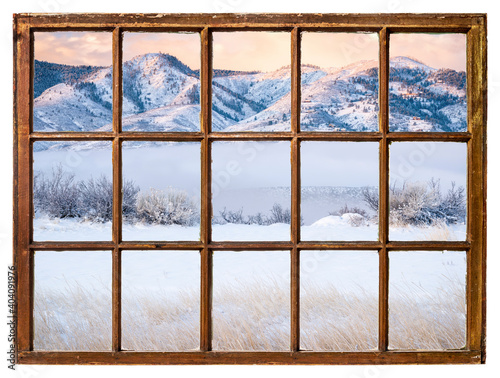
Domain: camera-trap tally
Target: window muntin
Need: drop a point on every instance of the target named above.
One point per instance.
(475, 197)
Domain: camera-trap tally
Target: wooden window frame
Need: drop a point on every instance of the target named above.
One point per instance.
(473, 25)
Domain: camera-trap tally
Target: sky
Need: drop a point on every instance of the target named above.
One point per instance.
(185, 46)
(248, 51)
(435, 50)
(74, 48)
(338, 49)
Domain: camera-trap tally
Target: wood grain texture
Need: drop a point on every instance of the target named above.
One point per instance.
(206, 192)
(295, 191)
(476, 221)
(383, 224)
(24, 209)
(197, 21)
(251, 358)
(117, 192)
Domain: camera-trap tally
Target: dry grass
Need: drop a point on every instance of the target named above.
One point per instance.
(251, 316)
(332, 320)
(435, 321)
(71, 320)
(439, 231)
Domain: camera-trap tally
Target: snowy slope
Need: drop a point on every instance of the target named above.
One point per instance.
(163, 94)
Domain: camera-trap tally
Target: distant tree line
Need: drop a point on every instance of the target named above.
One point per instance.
(49, 74)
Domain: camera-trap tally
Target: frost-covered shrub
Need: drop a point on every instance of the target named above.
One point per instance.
(350, 210)
(129, 200)
(167, 207)
(280, 215)
(230, 216)
(58, 196)
(96, 199)
(277, 215)
(61, 196)
(422, 204)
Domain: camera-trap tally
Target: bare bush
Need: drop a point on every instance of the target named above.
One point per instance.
(58, 196)
(166, 207)
(129, 200)
(421, 204)
(278, 215)
(230, 216)
(61, 196)
(350, 210)
(96, 199)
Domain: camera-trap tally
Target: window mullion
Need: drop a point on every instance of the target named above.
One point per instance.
(383, 189)
(206, 191)
(295, 192)
(117, 187)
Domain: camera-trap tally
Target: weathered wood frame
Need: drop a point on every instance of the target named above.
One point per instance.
(473, 25)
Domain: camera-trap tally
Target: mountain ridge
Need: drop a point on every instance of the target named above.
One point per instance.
(161, 93)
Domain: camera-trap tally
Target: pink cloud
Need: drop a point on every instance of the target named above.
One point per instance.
(184, 46)
(435, 50)
(338, 49)
(248, 51)
(74, 48)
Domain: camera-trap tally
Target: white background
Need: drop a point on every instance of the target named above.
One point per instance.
(8, 7)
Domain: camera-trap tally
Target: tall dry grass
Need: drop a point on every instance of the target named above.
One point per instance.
(434, 321)
(250, 316)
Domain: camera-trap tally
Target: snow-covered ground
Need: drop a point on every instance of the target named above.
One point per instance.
(330, 228)
(171, 271)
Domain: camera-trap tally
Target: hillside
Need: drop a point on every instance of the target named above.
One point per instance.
(163, 94)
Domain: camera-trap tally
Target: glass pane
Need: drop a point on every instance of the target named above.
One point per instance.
(72, 191)
(427, 303)
(72, 301)
(339, 82)
(251, 301)
(161, 191)
(251, 81)
(339, 199)
(427, 194)
(338, 300)
(161, 300)
(251, 191)
(427, 90)
(73, 79)
(161, 82)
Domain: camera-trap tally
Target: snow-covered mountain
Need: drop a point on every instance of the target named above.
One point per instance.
(163, 94)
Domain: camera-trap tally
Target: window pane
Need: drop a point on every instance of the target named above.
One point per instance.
(72, 191)
(427, 305)
(251, 301)
(427, 90)
(338, 300)
(72, 85)
(161, 191)
(161, 82)
(251, 191)
(339, 82)
(251, 81)
(428, 191)
(161, 300)
(339, 194)
(72, 301)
